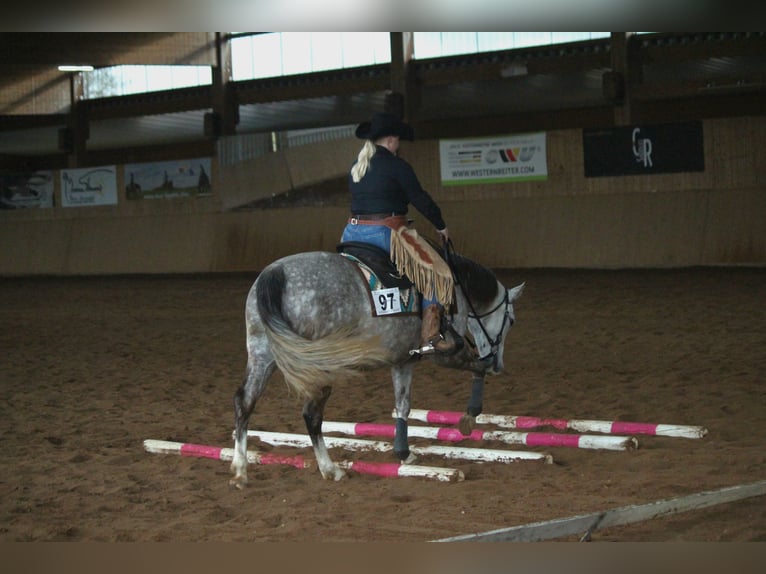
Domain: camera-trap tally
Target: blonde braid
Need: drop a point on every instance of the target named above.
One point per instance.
(363, 161)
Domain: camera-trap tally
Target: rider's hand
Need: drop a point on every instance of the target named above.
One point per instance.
(444, 235)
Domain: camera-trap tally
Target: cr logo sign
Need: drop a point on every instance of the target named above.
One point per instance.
(642, 148)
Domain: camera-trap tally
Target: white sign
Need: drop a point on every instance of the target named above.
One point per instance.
(498, 159)
(89, 186)
(387, 301)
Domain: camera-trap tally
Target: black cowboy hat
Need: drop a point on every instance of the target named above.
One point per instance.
(384, 124)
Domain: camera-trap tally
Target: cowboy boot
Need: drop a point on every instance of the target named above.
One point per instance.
(431, 338)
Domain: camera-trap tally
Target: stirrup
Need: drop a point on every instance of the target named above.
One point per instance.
(428, 349)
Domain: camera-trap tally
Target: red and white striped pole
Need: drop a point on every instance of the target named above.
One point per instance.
(579, 425)
(384, 469)
(454, 435)
(218, 453)
(395, 469)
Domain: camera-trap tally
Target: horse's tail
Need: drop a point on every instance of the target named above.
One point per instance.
(310, 364)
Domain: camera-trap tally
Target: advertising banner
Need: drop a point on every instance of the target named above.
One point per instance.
(179, 178)
(89, 186)
(635, 150)
(25, 190)
(498, 159)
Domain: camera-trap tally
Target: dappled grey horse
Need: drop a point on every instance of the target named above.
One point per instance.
(310, 314)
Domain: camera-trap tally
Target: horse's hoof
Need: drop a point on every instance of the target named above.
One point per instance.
(238, 482)
(466, 425)
(339, 475)
(411, 459)
(336, 474)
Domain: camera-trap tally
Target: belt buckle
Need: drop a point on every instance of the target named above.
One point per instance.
(354, 221)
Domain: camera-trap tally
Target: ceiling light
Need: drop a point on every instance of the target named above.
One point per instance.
(75, 68)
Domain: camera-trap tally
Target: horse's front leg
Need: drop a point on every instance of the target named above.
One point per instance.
(258, 373)
(402, 378)
(475, 404)
(313, 415)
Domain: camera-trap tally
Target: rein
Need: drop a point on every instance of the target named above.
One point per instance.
(494, 343)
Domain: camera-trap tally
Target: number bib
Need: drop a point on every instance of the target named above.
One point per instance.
(387, 301)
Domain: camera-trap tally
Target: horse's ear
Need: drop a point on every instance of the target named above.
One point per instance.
(515, 292)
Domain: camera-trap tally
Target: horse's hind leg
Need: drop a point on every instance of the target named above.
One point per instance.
(258, 373)
(313, 415)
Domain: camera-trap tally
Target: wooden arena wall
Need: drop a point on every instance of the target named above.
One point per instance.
(715, 217)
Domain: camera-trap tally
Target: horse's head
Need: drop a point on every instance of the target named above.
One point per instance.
(490, 325)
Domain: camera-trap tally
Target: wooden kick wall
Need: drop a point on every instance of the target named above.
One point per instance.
(715, 217)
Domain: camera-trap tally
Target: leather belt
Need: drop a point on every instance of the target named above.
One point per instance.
(377, 219)
(374, 216)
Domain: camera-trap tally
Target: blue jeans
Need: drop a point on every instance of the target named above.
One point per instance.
(380, 236)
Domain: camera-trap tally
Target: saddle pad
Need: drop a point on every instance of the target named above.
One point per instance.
(387, 301)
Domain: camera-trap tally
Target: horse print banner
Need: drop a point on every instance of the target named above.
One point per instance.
(89, 186)
(644, 149)
(25, 190)
(498, 159)
(179, 178)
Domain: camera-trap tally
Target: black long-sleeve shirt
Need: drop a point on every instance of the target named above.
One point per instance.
(389, 186)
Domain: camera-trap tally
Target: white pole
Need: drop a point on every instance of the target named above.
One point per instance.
(356, 444)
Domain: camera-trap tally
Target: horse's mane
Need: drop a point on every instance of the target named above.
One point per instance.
(480, 283)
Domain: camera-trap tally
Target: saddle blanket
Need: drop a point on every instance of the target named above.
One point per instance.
(387, 301)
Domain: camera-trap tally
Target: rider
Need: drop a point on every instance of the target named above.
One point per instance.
(382, 185)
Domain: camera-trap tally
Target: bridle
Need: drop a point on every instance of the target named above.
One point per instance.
(494, 343)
